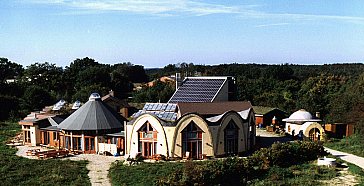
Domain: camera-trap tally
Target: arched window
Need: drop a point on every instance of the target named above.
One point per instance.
(147, 140)
(192, 141)
(231, 136)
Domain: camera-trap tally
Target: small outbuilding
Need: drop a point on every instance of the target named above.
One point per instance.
(303, 125)
(266, 116)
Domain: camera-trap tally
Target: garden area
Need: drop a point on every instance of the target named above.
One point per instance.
(16, 170)
(282, 164)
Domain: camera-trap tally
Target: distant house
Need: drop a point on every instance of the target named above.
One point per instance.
(35, 125)
(302, 124)
(339, 130)
(266, 115)
(191, 130)
(118, 105)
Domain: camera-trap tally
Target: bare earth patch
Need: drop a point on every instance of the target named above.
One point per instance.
(98, 165)
(344, 178)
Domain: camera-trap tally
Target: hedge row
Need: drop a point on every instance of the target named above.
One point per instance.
(240, 171)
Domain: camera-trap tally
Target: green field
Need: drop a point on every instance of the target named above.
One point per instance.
(352, 144)
(16, 170)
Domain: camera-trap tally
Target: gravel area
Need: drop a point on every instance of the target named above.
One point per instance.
(98, 165)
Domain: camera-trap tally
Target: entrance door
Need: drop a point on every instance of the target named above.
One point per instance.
(314, 134)
(147, 151)
(194, 148)
(192, 141)
(90, 145)
(27, 138)
(231, 139)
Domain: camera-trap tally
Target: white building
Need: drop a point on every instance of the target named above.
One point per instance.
(302, 123)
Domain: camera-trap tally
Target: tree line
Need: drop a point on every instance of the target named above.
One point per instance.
(41, 84)
(334, 90)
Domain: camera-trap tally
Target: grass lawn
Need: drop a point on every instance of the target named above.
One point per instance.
(142, 174)
(353, 144)
(16, 170)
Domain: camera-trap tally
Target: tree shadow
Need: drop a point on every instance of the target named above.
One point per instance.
(263, 141)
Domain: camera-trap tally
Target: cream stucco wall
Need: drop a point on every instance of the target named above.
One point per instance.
(170, 137)
(34, 135)
(242, 135)
(207, 143)
(169, 134)
(132, 132)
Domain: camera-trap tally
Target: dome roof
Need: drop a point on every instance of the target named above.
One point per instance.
(301, 116)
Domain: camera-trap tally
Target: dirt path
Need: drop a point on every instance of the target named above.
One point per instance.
(344, 178)
(99, 167)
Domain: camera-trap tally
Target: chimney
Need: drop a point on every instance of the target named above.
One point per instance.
(178, 80)
(111, 92)
(318, 115)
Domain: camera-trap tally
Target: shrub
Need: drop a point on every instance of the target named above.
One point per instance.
(287, 154)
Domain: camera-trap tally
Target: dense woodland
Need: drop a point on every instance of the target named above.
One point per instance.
(336, 90)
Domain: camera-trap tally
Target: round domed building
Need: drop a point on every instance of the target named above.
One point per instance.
(303, 125)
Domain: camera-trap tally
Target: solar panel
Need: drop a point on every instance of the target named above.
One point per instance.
(198, 90)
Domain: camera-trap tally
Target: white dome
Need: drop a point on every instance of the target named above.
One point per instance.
(301, 115)
(94, 96)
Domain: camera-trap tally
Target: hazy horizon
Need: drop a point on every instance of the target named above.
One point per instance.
(160, 32)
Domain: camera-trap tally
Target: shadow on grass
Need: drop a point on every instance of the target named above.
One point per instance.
(264, 142)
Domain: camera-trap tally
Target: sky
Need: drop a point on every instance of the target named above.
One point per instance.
(155, 33)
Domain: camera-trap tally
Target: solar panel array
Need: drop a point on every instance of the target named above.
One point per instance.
(163, 111)
(197, 90)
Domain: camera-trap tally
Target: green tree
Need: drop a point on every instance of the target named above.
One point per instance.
(45, 75)
(9, 69)
(85, 91)
(160, 92)
(35, 98)
(317, 93)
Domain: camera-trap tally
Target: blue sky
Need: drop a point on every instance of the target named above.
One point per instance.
(160, 32)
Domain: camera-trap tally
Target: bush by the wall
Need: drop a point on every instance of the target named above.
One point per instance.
(240, 171)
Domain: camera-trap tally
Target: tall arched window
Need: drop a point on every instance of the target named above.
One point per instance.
(192, 141)
(231, 136)
(147, 140)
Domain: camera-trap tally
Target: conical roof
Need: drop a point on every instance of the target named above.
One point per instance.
(94, 115)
